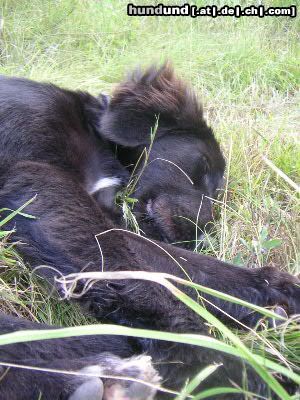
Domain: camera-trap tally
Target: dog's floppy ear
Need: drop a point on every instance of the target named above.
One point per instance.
(137, 103)
(93, 108)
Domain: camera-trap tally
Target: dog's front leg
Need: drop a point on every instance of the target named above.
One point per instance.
(266, 287)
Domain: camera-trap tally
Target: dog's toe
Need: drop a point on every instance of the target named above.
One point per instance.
(138, 370)
(89, 390)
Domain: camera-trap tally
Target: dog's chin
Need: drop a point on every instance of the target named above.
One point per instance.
(160, 226)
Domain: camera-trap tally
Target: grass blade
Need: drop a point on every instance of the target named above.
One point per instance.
(195, 382)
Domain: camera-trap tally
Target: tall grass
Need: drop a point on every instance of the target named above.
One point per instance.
(246, 71)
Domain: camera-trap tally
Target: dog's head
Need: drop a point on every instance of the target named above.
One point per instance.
(157, 111)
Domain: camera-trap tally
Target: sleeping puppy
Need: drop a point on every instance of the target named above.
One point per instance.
(98, 141)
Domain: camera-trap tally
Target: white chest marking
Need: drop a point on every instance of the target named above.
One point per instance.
(103, 183)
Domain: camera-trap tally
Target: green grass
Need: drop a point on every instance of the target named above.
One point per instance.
(245, 71)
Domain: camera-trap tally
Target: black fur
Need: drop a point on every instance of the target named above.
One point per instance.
(48, 163)
(41, 122)
(89, 354)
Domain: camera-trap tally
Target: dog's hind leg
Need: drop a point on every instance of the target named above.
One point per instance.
(76, 368)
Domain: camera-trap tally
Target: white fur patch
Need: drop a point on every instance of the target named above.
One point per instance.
(91, 388)
(93, 370)
(134, 390)
(103, 183)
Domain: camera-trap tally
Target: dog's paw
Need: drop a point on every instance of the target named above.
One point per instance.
(142, 377)
(91, 387)
(282, 289)
(115, 378)
(274, 289)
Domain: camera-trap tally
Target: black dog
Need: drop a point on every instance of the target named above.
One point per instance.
(50, 146)
(78, 133)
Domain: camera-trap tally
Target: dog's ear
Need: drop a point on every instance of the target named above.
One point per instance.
(93, 108)
(145, 98)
